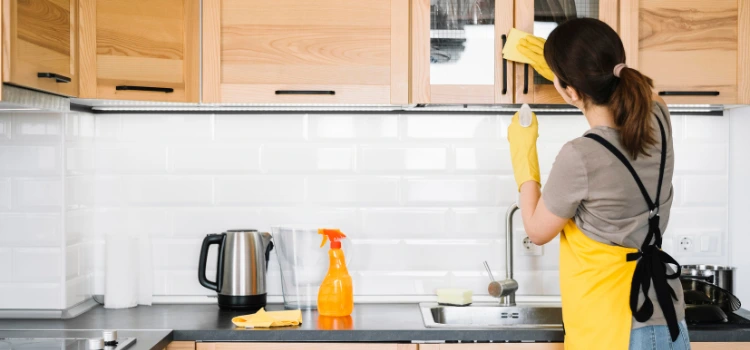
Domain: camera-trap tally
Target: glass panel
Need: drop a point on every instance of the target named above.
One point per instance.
(462, 42)
(549, 13)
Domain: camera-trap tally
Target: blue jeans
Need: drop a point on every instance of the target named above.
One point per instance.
(657, 338)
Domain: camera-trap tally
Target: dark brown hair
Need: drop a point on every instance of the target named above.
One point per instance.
(583, 54)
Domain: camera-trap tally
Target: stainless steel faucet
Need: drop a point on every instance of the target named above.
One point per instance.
(506, 289)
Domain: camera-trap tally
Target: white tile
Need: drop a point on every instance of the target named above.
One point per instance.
(202, 221)
(547, 153)
(346, 219)
(35, 230)
(37, 265)
(176, 254)
(206, 159)
(306, 157)
(259, 190)
(478, 223)
(77, 290)
(80, 159)
(186, 283)
(83, 191)
(464, 254)
(6, 265)
(5, 194)
(273, 127)
(706, 190)
(394, 283)
(561, 128)
(405, 223)
(486, 158)
(166, 127)
(37, 127)
(383, 159)
(701, 158)
(130, 159)
(713, 129)
(454, 190)
(348, 126)
(72, 259)
(5, 127)
(551, 282)
(678, 128)
(78, 225)
(377, 255)
(79, 125)
(442, 126)
(37, 296)
(30, 160)
(108, 126)
(32, 194)
(678, 192)
(173, 190)
(361, 190)
(697, 218)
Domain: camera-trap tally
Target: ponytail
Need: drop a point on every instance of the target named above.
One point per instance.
(584, 54)
(631, 104)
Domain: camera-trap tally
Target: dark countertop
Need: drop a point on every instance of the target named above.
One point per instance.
(144, 339)
(155, 326)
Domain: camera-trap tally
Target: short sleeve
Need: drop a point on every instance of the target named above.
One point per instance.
(567, 184)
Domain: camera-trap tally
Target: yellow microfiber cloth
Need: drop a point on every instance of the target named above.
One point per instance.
(267, 319)
(510, 52)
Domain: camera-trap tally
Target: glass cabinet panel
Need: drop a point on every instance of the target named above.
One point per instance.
(462, 42)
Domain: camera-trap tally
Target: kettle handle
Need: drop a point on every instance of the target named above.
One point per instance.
(268, 253)
(217, 239)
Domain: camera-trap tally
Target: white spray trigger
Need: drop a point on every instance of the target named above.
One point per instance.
(525, 116)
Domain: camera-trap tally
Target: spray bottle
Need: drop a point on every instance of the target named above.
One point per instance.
(525, 118)
(335, 296)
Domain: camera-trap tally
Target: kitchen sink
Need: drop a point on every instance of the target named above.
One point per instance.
(492, 315)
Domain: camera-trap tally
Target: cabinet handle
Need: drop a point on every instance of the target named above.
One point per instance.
(505, 67)
(58, 78)
(688, 93)
(525, 78)
(143, 88)
(305, 92)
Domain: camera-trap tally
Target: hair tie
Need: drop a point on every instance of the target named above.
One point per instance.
(618, 69)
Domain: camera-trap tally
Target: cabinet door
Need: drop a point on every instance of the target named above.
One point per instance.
(500, 346)
(304, 346)
(40, 46)
(457, 51)
(540, 17)
(311, 52)
(696, 51)
(140, 50)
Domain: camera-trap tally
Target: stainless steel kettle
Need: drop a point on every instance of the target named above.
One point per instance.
(241, 268)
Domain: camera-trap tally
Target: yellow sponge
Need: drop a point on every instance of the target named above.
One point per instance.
(454, 296)
(510, 52)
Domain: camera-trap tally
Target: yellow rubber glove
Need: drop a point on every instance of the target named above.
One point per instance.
(523, 150)
(533, 48)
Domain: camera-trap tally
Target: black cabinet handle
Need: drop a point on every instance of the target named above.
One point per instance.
(58, 78)
(688, 93)
(305, 92)
(505, 67)
(143, 88)
(525, 78)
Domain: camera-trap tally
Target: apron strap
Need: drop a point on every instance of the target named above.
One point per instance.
(652, 261)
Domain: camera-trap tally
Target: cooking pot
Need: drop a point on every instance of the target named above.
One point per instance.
(722, 276)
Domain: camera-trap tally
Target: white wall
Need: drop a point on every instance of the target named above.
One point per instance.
(739, 206)
(422, 196)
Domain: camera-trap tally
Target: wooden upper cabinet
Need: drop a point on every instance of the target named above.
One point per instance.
(310, 52)
(541, 20)
(696, 51)
(140, 50)
(40, 45)
(456, 55)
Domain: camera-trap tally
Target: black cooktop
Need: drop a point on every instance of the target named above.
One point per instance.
(57, 344)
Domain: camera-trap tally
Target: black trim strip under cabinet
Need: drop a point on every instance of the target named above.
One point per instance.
(305, 92)
(143, 88)
(688, 93)
(58, 78)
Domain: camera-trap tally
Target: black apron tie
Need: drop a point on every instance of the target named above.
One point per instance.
(652, 262)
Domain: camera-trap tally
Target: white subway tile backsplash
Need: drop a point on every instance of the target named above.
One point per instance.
(6, 265)
(711, 129)
(130, 159)
(37, 127)
(29, 160)
(31, 230)
(80, 159)
(477, 190)
(5, 123)
(385, 159)
(346, 219)
(185, 282)
(249, 127)
(354, 126)
(443, 126)
(38, 296)
(176, 254)
(487, 223)
(493, 159)
(5, 194)
(79, 126)
(37, 194)
(198, 222)
(259, 190)
(306, 158)
(161, 128)
(405, 223)
(169, 190)
(701, 158)
(41, 265)
(72, 261)
(558, 129)
(77, 291)
(212, 159)
(375, 190)
(706, 190)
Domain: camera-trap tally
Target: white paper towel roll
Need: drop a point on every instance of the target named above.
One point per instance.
(128, 272)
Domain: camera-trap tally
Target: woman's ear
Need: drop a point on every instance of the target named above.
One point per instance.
(575, 97)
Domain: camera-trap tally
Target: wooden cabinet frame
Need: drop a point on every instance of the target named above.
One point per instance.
(423, 92)
(547, 94)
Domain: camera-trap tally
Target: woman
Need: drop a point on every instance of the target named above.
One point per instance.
(609, 192)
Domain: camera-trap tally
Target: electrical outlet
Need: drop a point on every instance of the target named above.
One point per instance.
(685, 244)
(529, 248)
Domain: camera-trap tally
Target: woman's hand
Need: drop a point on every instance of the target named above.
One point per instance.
(533, 48)
(523, 153)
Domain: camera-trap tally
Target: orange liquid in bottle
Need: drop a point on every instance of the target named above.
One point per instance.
(336, 295)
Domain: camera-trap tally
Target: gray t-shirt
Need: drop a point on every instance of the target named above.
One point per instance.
(590, 184)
